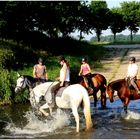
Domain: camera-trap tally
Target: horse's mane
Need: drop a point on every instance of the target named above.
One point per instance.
(94, 74)
(117, 82)
(30, 78)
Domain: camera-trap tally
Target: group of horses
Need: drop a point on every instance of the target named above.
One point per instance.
(76, 95)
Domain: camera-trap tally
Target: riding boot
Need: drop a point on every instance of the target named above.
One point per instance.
(90, 84)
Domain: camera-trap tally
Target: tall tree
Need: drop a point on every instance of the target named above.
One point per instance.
(83, 20)
(101, 15)
(117, 23)
(131, 15)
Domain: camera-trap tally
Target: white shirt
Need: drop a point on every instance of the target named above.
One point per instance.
(132, 70)
(62, 74)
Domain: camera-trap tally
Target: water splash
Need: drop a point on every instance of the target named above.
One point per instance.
(130, 115)
(35, 126)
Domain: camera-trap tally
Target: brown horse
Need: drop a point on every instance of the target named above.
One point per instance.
(124, 91)
(99, 83)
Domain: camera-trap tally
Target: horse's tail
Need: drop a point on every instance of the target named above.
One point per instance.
(86, 110)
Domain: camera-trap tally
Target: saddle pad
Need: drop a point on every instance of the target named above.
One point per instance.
(60, 91)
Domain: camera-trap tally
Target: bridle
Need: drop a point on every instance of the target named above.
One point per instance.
(25, 83)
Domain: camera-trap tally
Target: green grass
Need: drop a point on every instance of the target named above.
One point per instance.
(22, 59)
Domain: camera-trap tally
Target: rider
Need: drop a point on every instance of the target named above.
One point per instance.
(85, 71)
(40, 72)
(64, 78)
(132, 72)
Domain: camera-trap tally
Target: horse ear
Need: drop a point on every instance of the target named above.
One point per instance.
(18, 75)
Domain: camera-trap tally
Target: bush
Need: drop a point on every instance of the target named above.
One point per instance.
(5, 90)
(7, 58)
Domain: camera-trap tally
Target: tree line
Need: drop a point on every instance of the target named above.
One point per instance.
(26, 21)
(119, 38)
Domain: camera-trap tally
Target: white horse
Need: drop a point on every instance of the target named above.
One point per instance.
(71, 98)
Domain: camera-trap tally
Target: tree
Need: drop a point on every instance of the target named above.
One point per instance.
(131, 15)
(117, 23)
(101, 15)
(83, 20)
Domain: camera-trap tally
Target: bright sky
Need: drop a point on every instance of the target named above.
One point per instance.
(111, 4)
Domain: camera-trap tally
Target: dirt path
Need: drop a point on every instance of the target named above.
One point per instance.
(116, 62)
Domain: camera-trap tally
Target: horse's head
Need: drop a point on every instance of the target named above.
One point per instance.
(21, 83)
(110, 92)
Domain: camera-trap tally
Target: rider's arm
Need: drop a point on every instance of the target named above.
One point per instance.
(46, 75)
(64, 74)
(34, 72)
(80, 72)
(89, 69)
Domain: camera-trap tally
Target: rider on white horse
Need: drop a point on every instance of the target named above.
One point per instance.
(64, 79)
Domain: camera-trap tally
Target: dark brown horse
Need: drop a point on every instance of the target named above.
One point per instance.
(99, 84)
(124, 91)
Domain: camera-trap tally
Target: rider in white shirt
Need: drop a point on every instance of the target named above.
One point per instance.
(64, 79)
(132, 72)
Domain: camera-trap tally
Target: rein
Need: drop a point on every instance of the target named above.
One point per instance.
(26, 82)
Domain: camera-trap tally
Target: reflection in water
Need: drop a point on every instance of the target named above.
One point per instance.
(21, 122)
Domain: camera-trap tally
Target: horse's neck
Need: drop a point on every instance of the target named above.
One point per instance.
(30, 81)
(43, 90)
(116, 85)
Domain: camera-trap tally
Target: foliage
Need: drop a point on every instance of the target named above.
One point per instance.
(30, 22)
(101, 16)
(131, 15)
(5, 87)
(115, 26)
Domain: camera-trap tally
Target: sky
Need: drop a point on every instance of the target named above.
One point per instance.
(111, 4)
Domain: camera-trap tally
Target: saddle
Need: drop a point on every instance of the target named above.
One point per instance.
(59, 91)
(90, 86)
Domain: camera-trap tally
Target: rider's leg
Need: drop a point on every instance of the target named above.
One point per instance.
(53, 92)
(135, 85)
(90, 83)
(66, 84)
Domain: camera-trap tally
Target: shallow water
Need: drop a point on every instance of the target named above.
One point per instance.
(19, 121)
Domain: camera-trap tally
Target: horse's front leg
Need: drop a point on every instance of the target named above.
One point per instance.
(126, 102)
(103, 99)
(95, 99)
(45, 106)
(76, 116)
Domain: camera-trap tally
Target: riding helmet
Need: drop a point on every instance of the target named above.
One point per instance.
(132, 59)
(62, 58)
(40, 60)
(84, 59)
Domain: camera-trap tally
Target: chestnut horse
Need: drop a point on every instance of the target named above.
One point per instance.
(99, 84)
(124, 91)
